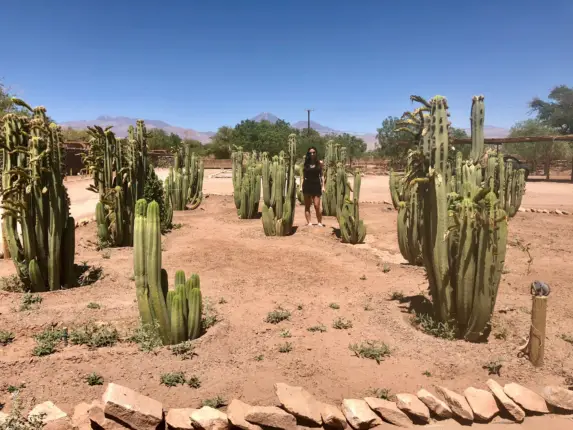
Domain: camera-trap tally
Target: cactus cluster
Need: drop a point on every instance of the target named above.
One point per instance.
(176, 313)
(246, 183)
(279, 192)
(334, 158)
(119, 170)
(464, 234)
(352, 229)
(185, 183)
(38, 228)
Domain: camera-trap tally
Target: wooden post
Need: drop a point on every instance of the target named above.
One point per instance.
(537, 333)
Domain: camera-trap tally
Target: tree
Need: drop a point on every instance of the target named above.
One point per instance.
(72, 135)
(355, 146)
(222, 143)
(537, 152)
(387, 140)
(159, 139)
(460, 133)
(557, 113)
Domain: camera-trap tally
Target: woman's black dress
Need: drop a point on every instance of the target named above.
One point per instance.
(312, 176)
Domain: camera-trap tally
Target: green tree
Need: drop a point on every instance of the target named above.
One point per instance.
(558, 112)
(537, 152)
(262, 136)
(222, 143)
(388, 141)
(159, 139)
(355, 146)
(460, 133)
(72, 135)
(308, 138)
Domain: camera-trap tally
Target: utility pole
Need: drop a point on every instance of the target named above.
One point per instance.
(308, 123)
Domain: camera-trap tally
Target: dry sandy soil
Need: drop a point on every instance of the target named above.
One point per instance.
(245, 275)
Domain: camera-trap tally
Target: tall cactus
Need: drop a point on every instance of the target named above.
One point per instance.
(35, 201)
(185, 183)
(119, 169)
(352, 229)
(176, 313)
(465, 230)
(335, 155)
(279, 191)
(246, 183)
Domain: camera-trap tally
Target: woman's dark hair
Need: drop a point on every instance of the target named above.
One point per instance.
(307, 158)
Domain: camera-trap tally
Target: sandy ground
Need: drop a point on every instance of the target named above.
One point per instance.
(245, 275)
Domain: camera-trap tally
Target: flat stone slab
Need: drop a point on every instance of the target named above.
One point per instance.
(413, 406)
(436, 406)
(236, 412)
(208, 418)
(510, 406)
(333, 417)
(51, 412)
(457, 403)
(559, 397)
(136, 410)
(389, 411)
(359, 415)
(271, 416)
(299, 402)
(98, 419)
(482, 402)
(179, 419)
(526, 398)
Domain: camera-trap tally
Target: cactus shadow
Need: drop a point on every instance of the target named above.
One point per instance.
(336, 232)
(87, 274)
(417, 304)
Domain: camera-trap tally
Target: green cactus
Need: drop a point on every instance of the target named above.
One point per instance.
(185, 183)
(396, 188)
(119, 169)
(299, 195)
(352, 229)
(177, 313)
(279, 191)
(35, 201)
(246, 183)
(331, 199)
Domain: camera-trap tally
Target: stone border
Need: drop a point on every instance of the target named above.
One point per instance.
(123, 408)
(545, 211)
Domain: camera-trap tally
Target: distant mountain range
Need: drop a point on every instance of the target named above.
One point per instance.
(121, 123)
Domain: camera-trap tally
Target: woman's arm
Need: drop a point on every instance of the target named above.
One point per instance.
(320, 176)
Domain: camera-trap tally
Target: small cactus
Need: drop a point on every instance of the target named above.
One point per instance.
(246, 183)
(185, 183)
(352, 229)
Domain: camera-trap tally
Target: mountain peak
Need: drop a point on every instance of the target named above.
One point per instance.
(265, 116)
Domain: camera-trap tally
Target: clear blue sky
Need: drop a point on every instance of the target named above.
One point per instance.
(202, 64)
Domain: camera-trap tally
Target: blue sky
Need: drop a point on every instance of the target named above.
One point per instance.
(203, 64)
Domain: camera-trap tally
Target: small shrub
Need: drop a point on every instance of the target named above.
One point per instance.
(88, 275)
(334, 306)
(106, 254)
(147, 337)
(185, 350)
(285, 347)
(397, 295)
(363, 278)
(278, 315)
(385, 268)
(215, 402)
(371, 349)
(300, 307)
(426, 373)
(493, 368)
(382, 393)
(285, 333)
(194, 382)
(368, 306)
(566, 337)
(95, 336)
(222, 301)
(6, 337)
(172, 379)
(94, 379)
(259, 357)
(341, 324)
(29, 300)
(434, 328)
(12, 284)
(210, 315)
(176, 226)
(18, 421)
(93, 305)
(501, 334)
(47, 341)
(317, 328)
(13, 388)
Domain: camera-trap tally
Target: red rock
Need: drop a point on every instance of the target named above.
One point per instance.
(127, 406)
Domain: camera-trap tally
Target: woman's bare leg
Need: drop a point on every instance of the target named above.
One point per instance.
(307, 202)
(317, 209)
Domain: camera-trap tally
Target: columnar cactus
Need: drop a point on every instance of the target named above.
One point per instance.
(119, 169)
(335, 155)
(352, 229)
(246, 183)
(464, 234)
(279, 192)
(40, 233)
(185, 183)
(176, 313)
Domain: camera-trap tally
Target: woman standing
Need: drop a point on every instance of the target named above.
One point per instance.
(312, 186)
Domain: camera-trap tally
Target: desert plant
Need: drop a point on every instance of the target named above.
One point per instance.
(176, 313)
(155, 190)
(38, 228)
(334, 189)
(299, 168)
(119, 169)
(352, 229)
(185, 180)
(465, 242)
(279, 193)
(246, 183)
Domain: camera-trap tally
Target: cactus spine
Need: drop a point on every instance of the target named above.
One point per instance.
(35, 201)
(246, 183)
(352, 229)
(119, 169)
(185, 184)
(279, 191)
(177, 313)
